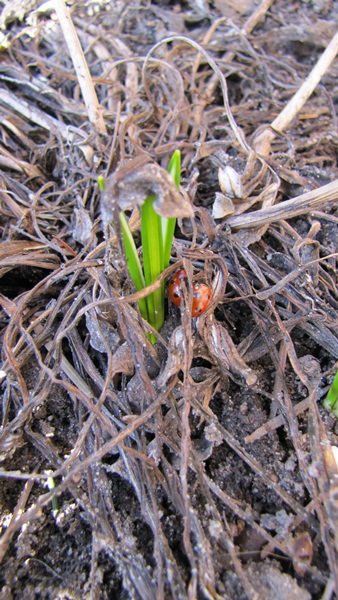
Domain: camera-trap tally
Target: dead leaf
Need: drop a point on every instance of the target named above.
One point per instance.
(175, 357)
(301, 551)
(136, 179)
(222, 207)
(223, 349)
(16, 247)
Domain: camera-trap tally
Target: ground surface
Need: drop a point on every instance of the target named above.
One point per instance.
(200, 467)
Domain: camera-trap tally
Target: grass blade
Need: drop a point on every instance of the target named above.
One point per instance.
(157, 237)
(168, 225)
(330, 402)
(133, 264)
(151, 235)
(174, 168)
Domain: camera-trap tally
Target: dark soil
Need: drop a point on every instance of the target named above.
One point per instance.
(201, 466)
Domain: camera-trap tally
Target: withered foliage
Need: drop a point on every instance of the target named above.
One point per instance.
(175, 465)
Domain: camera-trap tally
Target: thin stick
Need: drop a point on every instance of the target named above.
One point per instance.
(286, 210)
(256, 16)
(80, 66)
(298, 100)
(263, 139)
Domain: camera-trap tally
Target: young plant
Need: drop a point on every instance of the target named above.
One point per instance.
(330, 401)
(156, 238)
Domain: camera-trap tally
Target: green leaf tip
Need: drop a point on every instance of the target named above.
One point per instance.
(174, 168)
(101, 183)
(330, 401)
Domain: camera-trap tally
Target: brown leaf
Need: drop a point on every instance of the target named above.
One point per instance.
(301, 551)
(175, 360)
(223, 349)
(136, 179)
(18, 247)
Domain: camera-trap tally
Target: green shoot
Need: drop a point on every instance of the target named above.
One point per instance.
(330, 401)
(133, 264)
(152, 248)
(101, 182)
(156, 236)
(168, 225)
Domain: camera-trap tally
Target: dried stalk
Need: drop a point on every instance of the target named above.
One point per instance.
(297, 102)
(262, 142)
(300, 205)
(80, 66)
(46, 121)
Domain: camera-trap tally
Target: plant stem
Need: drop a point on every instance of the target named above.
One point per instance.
(330, 402)
(151, 236)
(157, 237)
(168, 225)
(133, 263)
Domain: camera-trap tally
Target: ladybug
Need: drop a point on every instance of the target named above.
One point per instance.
(174, 286)
(202, 294)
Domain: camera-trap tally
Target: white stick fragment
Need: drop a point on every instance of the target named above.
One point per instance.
(80, 66)
(262, 141)
(307, 88)
(288, 209)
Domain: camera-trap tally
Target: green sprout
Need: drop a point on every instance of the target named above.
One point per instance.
(330, 401)
(101, 182)
(156, 238)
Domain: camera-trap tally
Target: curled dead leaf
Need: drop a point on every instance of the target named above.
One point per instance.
(138, 178)
(230, 182)
(175, 360)
(223, 206)
(223, 349)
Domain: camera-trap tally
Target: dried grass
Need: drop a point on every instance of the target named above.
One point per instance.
(139, 412)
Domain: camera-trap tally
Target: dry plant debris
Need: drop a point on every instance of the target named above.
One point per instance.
(201, 467)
